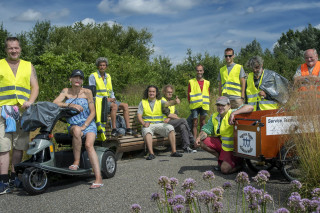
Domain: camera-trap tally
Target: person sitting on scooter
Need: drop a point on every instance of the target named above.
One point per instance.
(82, 124)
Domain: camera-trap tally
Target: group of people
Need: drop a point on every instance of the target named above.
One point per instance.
(238, 93)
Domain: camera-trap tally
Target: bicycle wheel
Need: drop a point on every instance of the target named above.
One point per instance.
(290, 163)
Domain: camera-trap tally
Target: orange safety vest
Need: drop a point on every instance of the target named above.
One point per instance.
(305, 72)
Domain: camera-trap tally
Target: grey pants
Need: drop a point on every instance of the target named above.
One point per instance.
(181, 126)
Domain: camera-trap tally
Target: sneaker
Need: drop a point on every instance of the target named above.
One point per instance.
(16, 183)
(130, 131)
(114, 133)
(4, 188)
(176, 154)
(151, 157)
(189, 150)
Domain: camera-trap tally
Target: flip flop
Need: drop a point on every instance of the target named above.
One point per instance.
(96, 185)
(74, 167)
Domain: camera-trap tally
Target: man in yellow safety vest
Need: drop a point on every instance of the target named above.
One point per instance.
(18, 90)
(231, 80)
(103, 83)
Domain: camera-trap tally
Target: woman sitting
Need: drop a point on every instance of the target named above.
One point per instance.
(82, 124)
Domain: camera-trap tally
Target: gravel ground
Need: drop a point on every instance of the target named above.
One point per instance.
(135, 180)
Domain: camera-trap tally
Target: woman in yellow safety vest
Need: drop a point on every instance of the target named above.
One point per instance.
(220, 144)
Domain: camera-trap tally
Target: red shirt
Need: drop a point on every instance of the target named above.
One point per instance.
(201, 87)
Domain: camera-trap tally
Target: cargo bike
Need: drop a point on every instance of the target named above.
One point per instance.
(264, 140)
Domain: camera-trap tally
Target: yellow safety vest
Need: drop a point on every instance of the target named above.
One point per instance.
(171, 108)
(154, 116)
(14, 89)
(101, 88)
(230, 83)
(197, 98)
(226, 130)
(102, 91)
(253, 97)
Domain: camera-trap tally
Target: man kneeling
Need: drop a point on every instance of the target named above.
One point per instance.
(150, 116)
(221, 143)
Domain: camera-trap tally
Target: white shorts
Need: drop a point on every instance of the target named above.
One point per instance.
(162, 129)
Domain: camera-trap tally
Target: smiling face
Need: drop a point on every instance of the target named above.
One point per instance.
(168, 93)
(152, 93)
(310, 57)
(76, 81)
(13, 50)
(228, 55)
(223, 109)
(200, 72)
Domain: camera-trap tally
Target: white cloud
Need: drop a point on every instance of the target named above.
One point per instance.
(28, 16)
(59, 14)
(88, 21)
(250, 10)
(258, 34)
(276, 7)
(145, 6)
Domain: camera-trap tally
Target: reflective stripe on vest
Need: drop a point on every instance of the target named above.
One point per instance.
(197, 98)
(150, 116)
(253, 97)
(14, 89)
(101, 130)
(305, 72)
(171, 108)
(101, 88)
(230, 83)
(226, 130)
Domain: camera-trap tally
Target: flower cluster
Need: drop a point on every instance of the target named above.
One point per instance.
(188, 183)
(262, 177)
(242, 178)
(296, 185)
(135, 208)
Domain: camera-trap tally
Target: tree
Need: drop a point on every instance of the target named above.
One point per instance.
(3, 35)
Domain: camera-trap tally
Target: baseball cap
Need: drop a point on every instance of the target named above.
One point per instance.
(223, 100)
(77, 73)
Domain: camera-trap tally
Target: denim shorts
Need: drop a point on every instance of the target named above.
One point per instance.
(109, 104)
(199, 111)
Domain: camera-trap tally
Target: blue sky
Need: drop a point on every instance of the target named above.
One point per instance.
(201, 25)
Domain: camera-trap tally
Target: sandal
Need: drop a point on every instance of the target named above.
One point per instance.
(74, 167)
(96, 185)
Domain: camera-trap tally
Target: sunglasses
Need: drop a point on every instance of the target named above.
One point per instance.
(226, 56)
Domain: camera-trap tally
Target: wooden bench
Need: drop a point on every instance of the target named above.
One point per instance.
(130, 143)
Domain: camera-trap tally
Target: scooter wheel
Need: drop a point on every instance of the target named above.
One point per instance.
(108, 165)
(34, 180)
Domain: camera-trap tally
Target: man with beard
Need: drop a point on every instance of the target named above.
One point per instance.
(198, 97)
(265, 89)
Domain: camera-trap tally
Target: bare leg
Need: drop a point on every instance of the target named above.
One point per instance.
(172, 139)
(90, 138)
(226, 168)
(76, 143)
(125, 108)
(4, 163)
(195, 127)
(148, 140)
(211, 151)
(16, 158)
(113, 114)
(202, 121)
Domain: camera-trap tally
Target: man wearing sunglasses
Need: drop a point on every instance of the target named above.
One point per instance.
(232, 80)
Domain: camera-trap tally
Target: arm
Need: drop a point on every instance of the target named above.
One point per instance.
(34, 88)
(172, 102)
(60, 101)
(201, 137)
(243, 87)
(242, 110)
(219, 86)
(140, 120)
(189, 90)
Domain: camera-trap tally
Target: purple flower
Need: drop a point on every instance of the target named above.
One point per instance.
(178, 208)
(217, 207)
(242, 178)
(266, 198)
(208, 176)
(206, 197)
(190, 196)
(282, 210)
(218, 191)
(226, 185)
(315, 193)
(173, 182)
(135, 208)
(170, 193)
(164, 182)
(155, 197)
(171, 201)
(253, 206)
(261, 179)
(179, 199)
(296, 184)
(265, 173)
(295, 203)
(188, 183)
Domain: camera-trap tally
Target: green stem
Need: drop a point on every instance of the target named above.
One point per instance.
(237, 197)
(165, 194)
(195, 206)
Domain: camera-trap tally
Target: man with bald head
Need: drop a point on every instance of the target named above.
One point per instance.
(309, 72)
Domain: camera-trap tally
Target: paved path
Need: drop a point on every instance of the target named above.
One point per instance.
(134, 182)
